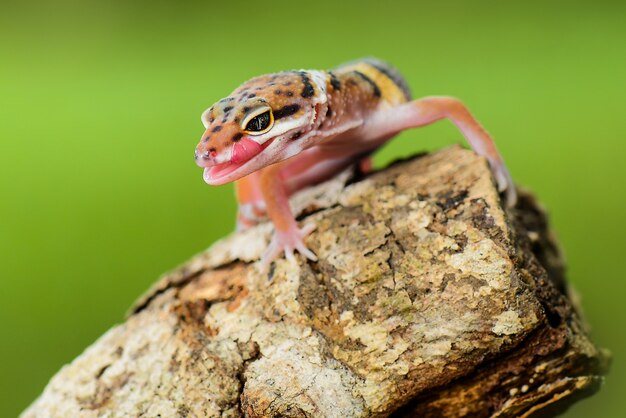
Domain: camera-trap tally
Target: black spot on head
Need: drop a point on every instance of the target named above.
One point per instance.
(334, 81)
(225, 119)
(278, 91)
(251, 95)
(228, 109)
(271, 84)
(352, 82)
(237, 136)
(237, 119)
(285, 111)
(217, 128)
(246, 109)
(227, 99)
(308, 90)
(206, 138)
(289, 93)
(369, 81)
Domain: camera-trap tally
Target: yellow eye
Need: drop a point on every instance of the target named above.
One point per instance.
(258, 121)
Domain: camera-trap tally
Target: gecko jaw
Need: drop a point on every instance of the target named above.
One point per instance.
(222, 173)
(213, 174)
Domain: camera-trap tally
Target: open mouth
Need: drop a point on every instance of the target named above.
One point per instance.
(216, 172)
(219, 174)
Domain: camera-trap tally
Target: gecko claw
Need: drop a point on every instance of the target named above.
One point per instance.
(511, 196)
(505, 184)
(287, 242)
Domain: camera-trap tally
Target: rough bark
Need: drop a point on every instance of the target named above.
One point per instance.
(429, 300)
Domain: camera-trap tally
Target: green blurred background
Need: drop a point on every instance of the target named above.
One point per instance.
(99, 115)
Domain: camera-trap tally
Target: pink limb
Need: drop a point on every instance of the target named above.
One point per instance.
(431, 109)
(277, 182)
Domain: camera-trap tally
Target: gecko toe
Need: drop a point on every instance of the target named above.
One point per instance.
(302, 249)
(511, 196)
(289, 255)
(286, 242)
(307, 229)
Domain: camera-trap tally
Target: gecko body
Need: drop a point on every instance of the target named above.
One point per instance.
(279, 133)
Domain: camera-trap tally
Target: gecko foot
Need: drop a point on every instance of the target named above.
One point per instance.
(249, 214)
(287, 242)
(505, 183)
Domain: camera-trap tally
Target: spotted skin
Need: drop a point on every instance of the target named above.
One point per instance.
(279, 133)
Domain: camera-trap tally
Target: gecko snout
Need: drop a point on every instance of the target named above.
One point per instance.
(205, 158)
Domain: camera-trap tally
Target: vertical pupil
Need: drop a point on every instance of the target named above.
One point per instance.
(260, 122)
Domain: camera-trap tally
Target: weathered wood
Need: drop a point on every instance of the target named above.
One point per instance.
(429, 300)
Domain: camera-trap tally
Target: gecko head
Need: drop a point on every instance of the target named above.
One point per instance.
(263, 122)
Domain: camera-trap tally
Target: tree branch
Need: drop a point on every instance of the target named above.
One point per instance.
(429, 300)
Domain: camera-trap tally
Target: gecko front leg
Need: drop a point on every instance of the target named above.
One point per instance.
(278, 182)
(288, 236)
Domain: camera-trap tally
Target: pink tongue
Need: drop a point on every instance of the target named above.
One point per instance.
(245, 149)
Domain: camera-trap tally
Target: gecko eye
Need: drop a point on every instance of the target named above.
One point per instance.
(258, 121)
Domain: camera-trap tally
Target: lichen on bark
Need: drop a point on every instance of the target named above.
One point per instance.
(429, 299)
